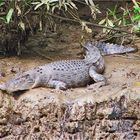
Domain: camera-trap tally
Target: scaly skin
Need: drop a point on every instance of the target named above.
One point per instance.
(64, 74)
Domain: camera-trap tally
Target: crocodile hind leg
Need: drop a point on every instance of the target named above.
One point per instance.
(57, 84)
(98, 78)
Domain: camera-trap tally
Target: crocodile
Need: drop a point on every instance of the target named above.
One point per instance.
(66, 74)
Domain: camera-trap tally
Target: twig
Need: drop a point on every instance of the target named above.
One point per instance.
(42, 55)
(89, 23)
(114, 36)
(29, 25)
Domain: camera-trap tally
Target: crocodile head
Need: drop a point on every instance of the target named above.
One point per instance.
(19, 83)
(92, 53)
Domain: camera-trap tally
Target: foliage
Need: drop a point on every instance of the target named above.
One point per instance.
(8, 16)
(129, 16)
(51, 5)
(136, 16)
(21, 8)
(19, 13)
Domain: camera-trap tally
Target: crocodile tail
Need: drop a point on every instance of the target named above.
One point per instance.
(108, 48)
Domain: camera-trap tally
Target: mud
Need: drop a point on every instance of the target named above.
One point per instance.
(111, 112)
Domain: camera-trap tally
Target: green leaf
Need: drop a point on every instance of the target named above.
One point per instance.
(65, 6)
(110, 23)
(87, 2)
(120, 21)
(110, 12)
(73, 5)
(137, 8)
(48, 6)
(38, 5)
(136, 17)
(102, 21)
(9, 15)
(35, 3)
(45, 1)
(91, 2)
(88, 30)
(136, 28)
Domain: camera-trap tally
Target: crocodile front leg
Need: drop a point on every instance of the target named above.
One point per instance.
(37, 83)
(57, 84)
(98, 78)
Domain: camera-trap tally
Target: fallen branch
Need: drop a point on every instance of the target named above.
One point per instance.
(89, 23)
